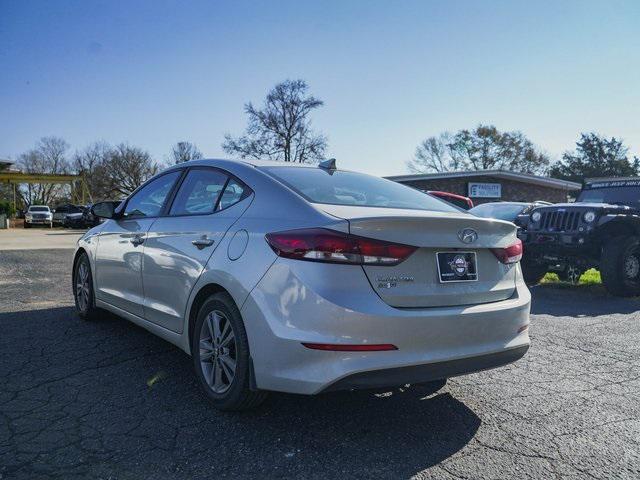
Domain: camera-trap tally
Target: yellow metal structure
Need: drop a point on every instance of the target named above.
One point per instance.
(79, 190)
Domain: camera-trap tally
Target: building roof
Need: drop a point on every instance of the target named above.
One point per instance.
(7, 165)
(12, 176)
(518, 177)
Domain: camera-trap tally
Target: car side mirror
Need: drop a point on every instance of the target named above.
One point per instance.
(104, 210)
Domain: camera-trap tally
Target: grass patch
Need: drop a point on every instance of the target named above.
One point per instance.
(590, 277)
(550, 277)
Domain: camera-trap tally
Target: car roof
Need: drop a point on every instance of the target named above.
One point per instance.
(271, 163)
(246, 161)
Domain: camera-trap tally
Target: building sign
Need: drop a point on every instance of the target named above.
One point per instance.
(485, 190)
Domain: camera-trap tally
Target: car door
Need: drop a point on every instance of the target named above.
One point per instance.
(121, 244)
(179, 245)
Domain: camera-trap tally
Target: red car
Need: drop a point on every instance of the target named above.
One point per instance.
(458, 200)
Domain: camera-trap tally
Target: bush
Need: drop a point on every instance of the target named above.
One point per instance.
(6, 208)
(590, 277)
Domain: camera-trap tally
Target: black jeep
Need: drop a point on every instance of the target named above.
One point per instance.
(600, 230)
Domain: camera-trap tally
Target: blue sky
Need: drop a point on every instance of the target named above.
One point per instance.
(390, 73)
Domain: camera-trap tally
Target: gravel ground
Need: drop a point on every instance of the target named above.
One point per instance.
(109, 400)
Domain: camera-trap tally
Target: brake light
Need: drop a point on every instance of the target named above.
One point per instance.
(324, 245)
(512, 254)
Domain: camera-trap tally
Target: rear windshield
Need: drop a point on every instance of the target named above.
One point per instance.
(38, 209)
(337, 187)
(506, 211)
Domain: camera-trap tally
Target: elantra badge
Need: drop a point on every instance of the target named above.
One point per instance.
(468, 235)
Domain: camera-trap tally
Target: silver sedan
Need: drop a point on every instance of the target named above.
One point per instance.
(305, 279)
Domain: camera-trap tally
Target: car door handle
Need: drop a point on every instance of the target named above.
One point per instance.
(203, 242)
(137, 240)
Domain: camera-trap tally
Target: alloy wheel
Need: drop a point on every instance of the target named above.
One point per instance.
(218, 352)
(83, 286)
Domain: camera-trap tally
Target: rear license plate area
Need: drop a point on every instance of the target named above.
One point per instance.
(457, 267)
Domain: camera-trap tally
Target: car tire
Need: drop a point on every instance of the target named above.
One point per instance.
(620, 266)
(26, 225)
(220, 352)
(83, 293)
(533, 273)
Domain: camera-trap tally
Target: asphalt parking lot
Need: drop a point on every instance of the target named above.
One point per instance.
(109, 400)
(40, 238)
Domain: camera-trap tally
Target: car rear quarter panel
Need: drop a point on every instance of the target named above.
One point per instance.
(274, 208)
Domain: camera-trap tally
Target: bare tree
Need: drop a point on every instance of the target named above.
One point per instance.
(433, 155)
(281, 129)
(184, 151)
(127, 168)
(90, 163)
(483, 148)
(49, 156)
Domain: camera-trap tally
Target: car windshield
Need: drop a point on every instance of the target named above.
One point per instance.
(501, 211)
(625, 195)
(38, 209)
(338, 187)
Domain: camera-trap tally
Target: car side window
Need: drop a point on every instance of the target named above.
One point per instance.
(199, 192)
(148, 201)
(233, 193)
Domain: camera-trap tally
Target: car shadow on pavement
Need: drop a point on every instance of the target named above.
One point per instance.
(106, 398)
(579, 301)
(402, 431)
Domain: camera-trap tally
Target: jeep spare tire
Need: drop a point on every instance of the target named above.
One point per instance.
(620, 266)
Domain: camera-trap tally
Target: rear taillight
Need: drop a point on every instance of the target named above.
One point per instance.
(511, 254)
(324, 245)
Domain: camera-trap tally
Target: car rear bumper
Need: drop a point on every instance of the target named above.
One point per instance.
(428, 372)
(283, 311)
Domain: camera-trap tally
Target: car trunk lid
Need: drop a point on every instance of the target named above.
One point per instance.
(417, 281)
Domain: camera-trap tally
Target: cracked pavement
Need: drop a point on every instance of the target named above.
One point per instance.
(108, 400)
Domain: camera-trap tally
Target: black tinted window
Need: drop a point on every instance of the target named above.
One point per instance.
(233, 193)
(199, 192)
(350, 188)
(148, 201)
